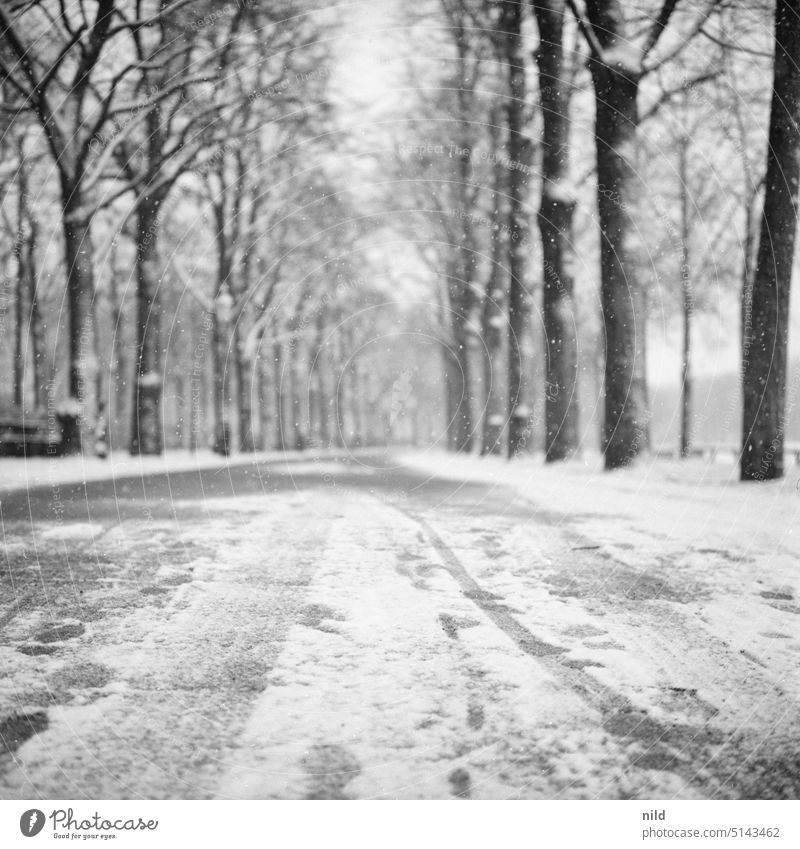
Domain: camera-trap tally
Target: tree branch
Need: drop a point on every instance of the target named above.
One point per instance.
(588, 33)
(685, 40)
(659, 25)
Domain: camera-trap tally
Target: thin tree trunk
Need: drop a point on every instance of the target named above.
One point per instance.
(625, 431)
(198, 392)
(556, 212)
(244, 389)
(494, 323)
(747, 282)
(146, 428)
(175, 427)
(493, 316)
(456, 381)
(21, 290)
(463, 381)
(264, 406)
(297, 441)
(194, 393)
(245, 368)
(357, 394)
(222, 436)
(314, 406)
(28, 318)
(78, 254)
(458, 372)
(316, 389)
(324, 405)
(220, 336)
(280, 422)
(37, 327)
(687, 302)
(518, 154)
(336, 423)
(341, 400)
(764, 365)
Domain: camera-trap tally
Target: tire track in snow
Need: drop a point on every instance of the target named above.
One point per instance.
(665, 743)
(483, 599)
(376, 695)
(370, 698)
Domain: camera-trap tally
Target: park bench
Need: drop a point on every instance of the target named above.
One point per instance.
(28, 435)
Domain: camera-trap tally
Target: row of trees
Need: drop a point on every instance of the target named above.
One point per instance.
(138, 124)
(183, 198)
(673, 100)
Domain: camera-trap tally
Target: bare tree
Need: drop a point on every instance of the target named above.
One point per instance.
(556, 212)
(494, 320)
(764, 366)
(619, 61)
(75, 88)
(519, 154)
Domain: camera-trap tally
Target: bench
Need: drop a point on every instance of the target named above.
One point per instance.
(28, 436)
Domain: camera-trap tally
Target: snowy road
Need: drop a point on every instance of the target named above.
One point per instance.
(332, 629)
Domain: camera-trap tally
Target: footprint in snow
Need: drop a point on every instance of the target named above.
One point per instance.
(57, 633)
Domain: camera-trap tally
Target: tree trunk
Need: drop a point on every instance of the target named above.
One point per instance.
(244, 390)
(246, 379)
(297, 440)
(357, 394)
(277, 376)
(687, 302)
(764, 364)
(686, 377)
(463, 418)
(28, 329)
(20, 302)
(518, 154)
(746, 318)
(341, 438)
(198, 383)
(493, 317)
(494, 323)
(457, 384)
(146, 429)
(318, 423)
(264, 416)
(458, 374)
(625, 431)
(175, 426)
(78, 424)
(118, 364)
(556, 213)
(222, 435)
(314, 406)
(37, 327)
(221, 335)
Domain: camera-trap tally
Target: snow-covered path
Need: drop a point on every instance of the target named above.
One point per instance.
(334, 629)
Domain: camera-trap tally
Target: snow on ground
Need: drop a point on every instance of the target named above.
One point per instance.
(392, 687)
(670, 583)
(675, 505)
(25, 473)
(424, 626)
